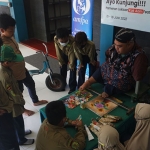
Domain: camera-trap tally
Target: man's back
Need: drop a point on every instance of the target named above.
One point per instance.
(52, 137)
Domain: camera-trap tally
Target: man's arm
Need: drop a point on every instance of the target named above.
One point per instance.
(12, 91)
(76, 143)
(140, 67)
(86, 84)
(58, 52)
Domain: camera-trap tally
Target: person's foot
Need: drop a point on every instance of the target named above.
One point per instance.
(104, 95)
(28, 112)
(27, 132)
(28, 142)
(41, 102)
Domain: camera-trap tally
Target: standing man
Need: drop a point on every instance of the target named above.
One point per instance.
(65, 55)
(8, 138)
(85, 52)
(125, 64)
(7, 29)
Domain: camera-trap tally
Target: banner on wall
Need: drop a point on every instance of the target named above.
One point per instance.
(82, 17)
(133, 14)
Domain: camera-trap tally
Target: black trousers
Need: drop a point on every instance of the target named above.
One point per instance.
(82, 70)
(72, 78)
(8, 138)
(30, 84)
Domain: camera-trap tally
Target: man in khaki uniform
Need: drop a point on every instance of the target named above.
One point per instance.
(85, 52)
(8, 138)
(65, 55)
(53, 136)
(7, 29)
(9, 83)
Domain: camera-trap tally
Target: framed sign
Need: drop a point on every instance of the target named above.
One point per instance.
(133, 14)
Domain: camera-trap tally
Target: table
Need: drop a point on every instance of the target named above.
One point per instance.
(121, 126)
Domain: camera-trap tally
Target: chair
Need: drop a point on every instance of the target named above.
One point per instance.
(142, 86)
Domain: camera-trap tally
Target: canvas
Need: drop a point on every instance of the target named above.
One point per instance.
(100, 106)
(71, 101)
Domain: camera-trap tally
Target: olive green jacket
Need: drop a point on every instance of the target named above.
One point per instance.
(67, 50)
(52, 137)
(18, 68)
(5, 102)
(10, 85)
(88, 50)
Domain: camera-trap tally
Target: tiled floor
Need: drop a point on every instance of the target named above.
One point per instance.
(33, 122)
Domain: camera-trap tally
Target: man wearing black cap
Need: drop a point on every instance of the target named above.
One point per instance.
(125, 63)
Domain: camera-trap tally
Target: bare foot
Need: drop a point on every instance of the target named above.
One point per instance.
(28, 112)
(104, 95)
(41, 102)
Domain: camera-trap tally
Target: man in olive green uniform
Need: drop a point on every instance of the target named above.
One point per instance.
(7, 29)
(53, 136)
(65, 55)
(9, 83)
(8, 138)
(85, 52)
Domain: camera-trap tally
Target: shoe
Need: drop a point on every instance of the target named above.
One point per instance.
(27, 132)
(70, 91)
(28, 142)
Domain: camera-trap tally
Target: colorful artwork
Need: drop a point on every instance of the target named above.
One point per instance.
(100, 106)
(71, 101)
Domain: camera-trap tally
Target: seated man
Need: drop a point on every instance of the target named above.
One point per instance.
(125, 63)
(53, 136)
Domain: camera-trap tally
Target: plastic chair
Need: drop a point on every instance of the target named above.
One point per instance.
(142, 86)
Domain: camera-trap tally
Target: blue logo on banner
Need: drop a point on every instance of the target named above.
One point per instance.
(81, 7)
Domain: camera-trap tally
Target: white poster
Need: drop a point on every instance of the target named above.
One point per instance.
(133, 14)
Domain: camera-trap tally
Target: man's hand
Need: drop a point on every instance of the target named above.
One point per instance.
(82, 87)
(94, 63)
(2, 111)
(76, 123)
(79, 67)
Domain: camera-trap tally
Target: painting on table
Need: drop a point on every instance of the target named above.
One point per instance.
(101, 106)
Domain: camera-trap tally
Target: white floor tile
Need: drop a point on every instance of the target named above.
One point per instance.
(26, 51)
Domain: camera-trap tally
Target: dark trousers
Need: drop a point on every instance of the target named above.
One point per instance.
(72, 78)
(82, 70)
(30, 84)
(8, 139)
(20, 129)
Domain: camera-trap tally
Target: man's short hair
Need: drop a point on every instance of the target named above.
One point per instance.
(55, 112)
(6, 21)
(125, 35)
(62, 33)
(80, 38)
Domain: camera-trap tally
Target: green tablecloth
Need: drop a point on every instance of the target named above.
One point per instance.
(122, 126)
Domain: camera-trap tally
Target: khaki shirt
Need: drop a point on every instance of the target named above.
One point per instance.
(5, 102)
(52, 137)
(18, 68)
(88, 50)
(67, 50)
(10, 85)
